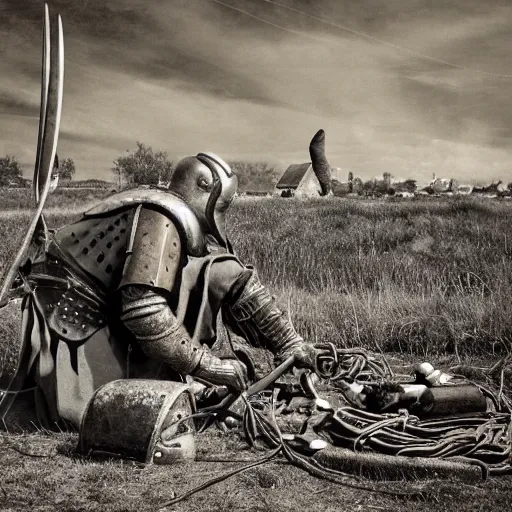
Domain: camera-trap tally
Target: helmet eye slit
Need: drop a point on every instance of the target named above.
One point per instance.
(204, 184)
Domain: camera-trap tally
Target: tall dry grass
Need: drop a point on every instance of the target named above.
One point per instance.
(418, 276)
(423, 277)
(22, 199)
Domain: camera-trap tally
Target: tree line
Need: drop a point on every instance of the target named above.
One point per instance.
(11, 171)
(146, 166)
(143, 166)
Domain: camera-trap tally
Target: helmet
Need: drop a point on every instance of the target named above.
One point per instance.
(141, 419)
(208, 185)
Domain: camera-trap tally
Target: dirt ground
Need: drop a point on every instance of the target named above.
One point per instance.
(43, 472)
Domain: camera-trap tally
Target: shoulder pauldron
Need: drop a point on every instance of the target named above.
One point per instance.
(154, 251)
(169, 204)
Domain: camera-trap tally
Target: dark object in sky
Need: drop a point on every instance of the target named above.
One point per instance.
(319, 161)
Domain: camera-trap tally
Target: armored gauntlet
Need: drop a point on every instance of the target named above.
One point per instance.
(223, 372)
(147, 315)
(252, 313)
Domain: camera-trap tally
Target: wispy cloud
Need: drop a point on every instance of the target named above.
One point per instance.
(192, 75)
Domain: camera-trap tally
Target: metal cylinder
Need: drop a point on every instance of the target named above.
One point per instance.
(456, 399)
(139, 419)
(393, 467)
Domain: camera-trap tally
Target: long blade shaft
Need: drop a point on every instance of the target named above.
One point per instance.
(51, 109)
(45, 79)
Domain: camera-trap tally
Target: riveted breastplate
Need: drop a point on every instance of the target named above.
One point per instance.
(98, 246)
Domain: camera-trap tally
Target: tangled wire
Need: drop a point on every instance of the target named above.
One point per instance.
(479, 439)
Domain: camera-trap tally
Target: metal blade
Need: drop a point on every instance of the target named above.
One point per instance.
(53, 105)
(50, 119)
(45, 79)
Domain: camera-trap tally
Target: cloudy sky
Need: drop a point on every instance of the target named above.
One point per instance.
(410, 87)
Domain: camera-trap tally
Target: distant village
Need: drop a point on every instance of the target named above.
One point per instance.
(318, 178)
(301, 181)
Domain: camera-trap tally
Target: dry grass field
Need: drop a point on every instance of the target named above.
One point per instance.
(421, 279)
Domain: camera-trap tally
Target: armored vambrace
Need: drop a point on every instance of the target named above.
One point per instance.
(148, 316)
(252, 313)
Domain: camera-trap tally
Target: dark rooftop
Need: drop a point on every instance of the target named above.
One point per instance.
(293, 176)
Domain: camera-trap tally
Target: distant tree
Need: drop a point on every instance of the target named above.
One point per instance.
(357, 186)
(256, 176)
(369, 187)
(143, 166)
(67, 169)
(10, 170)
(382, 186)
(410, 185)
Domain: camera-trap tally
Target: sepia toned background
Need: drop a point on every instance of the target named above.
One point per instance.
(409, 87)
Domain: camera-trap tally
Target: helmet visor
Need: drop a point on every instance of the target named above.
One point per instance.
(226, 183)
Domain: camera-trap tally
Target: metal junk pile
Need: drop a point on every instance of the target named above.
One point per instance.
(352, 416)
(374, 424)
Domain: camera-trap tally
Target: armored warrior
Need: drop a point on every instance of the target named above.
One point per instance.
(134, 289)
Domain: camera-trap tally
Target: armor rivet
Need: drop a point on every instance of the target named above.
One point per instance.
(58, 303)
(63, 316)
(83, 326)
(65, 309)
(76, 313)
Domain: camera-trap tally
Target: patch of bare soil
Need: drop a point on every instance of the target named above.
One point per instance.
(43, 472)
